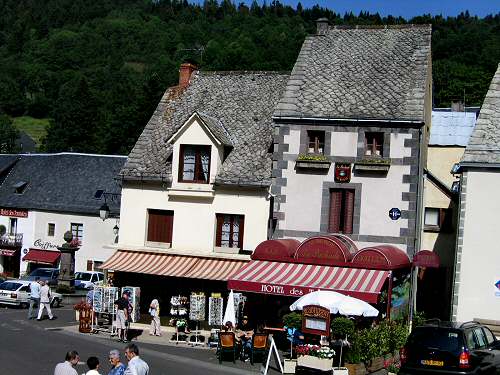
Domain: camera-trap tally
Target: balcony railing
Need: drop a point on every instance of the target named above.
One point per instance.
(13, 240)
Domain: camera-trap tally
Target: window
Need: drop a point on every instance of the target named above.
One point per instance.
(438, 219)
(160, 226)
(51, 229)
(229, 230)
(316, 142)
(194, 164)
(90, 265)
(374, 144)
(481, 339)
(98, 267)
(489, 336)
(341, 210)
(77, 231)
(12, 226)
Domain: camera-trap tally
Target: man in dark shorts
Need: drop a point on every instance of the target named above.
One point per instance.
(122, 316)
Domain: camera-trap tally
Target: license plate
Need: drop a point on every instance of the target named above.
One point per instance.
(429, 362)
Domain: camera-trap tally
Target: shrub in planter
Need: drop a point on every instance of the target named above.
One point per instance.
(3, 230)
(293, 320)
(341, 327)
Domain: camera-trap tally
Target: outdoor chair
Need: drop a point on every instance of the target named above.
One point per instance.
(259, 346)
(227, 344)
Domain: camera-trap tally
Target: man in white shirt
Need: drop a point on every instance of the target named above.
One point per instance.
(136, 366)
(66, 368)
(44, 301)
(93, 365)
(34, 298)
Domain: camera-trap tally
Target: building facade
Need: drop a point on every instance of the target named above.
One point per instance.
(44, 195)
(351, 136)
(476, 289)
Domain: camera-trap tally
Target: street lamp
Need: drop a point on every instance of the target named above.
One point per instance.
(104, 211)
(116, 229)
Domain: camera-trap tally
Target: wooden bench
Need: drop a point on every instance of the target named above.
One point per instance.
(493, 325)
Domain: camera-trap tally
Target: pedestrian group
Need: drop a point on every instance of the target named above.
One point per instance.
(40, 298)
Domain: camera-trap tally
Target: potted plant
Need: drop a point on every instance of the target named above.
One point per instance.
(315, 356)
(312, 161)
(293, 324)
(82, 305)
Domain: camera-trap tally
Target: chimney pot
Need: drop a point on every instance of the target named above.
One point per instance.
(322, 26)
(185, 71)
(457, 106)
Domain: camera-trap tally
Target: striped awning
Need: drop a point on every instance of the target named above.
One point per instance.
(294, 279)
(172, 265)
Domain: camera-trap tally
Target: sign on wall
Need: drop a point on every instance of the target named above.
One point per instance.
(316, 320)
(342, 172)
(394, 213)
(44, 245)
(13, 212)
(497, 288)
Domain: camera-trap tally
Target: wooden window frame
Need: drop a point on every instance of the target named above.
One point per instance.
(444, 220)
(344, 222)
(198, 167)
(373, 142)
(79, 231)
(241, 230)
(49, 226)
(316, 139)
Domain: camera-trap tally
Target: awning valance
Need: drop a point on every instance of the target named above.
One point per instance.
(295, 280)
(42, 256)
(173, 265)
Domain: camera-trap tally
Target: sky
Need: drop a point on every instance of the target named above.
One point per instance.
(404, 8)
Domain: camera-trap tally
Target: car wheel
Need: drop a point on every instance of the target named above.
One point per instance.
(24, 305)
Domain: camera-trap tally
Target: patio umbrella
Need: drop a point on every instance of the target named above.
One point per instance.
(337, 303)
(229, 314)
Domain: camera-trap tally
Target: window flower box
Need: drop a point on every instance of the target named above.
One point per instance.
(356, 368)
(373, 165)
(309, 361)
(312, 161)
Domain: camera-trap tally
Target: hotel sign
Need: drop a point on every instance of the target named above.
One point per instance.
(13, 212)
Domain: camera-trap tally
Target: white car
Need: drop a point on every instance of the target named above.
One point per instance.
(87, 280)
(17, 293)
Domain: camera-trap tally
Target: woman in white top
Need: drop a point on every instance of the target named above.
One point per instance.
(154, 311)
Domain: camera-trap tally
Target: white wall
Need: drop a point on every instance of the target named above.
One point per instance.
(480, 260)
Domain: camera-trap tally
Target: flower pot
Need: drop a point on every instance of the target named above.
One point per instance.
(356, 368)
(77, 315)
(340, 371)
(323, 364)
(289, 366)
(375, 364)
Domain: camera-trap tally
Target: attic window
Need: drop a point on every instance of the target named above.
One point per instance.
(20, 187)
(98, 194)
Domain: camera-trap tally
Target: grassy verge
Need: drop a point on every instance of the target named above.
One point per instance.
(35, 128)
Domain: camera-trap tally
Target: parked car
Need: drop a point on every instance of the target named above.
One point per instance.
(87, 280)
(49, 275)
(450, 348)
(17, 293)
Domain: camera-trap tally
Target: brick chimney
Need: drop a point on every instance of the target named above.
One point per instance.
(322, 26)
(185, 73)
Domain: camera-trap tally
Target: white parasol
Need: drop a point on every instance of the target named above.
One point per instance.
(229, 314)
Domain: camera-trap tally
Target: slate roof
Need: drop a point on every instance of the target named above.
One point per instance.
(236, 106)
(62, 182)
(362, 72)
(484, 144)
(451, 128)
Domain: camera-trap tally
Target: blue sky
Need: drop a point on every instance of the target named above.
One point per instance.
(405, 8)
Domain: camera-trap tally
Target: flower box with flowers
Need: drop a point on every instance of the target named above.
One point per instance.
(315, 356)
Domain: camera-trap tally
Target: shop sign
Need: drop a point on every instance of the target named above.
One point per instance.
(372, 258)
(342, 172)
(323, 251)
(39, 244)
(7, 252)
(316, 320)
(426, 258)
(13, 212)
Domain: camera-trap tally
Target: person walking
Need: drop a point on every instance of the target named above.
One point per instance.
(93, 365)
(34, 298)
(67, 367)
(136, 366)
(44, 301)
(122, 316)
(154, 311)
(118, 368)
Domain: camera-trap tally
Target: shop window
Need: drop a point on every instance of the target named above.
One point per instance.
(438, 219)
(194, 164)
(160, 226)
(374, 144)
(316, 142)
(341, 211)
(77, 231)
(12, 226)
(229, 230)
(51, 229)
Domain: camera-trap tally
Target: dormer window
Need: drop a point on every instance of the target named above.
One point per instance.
(316, 142)
(194, 164)
(20, 186)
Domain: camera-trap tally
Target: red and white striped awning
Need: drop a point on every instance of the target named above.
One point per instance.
(295, 280)
(173, 265)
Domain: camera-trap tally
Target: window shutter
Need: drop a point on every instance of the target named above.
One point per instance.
(335, 208)
(169, 226)
(218, 231)
(348, 211)
(160, 226)
(242, 230)
(89, 265)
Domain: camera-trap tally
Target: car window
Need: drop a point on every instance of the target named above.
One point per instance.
(83, 276)
(471, 340)
(9, 285)
(490, 338)
(94, 278)
(25, 288)
(41, 272)
(481, 339)
(442, 339)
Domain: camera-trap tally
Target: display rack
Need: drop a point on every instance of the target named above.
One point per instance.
(179, 306)
(197, 313)
(103, 301)
(215, 310)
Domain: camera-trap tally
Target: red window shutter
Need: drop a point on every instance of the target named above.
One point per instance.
(160, 226)
(90, 265)
(348, 211)
(242, 231)
(335, 209)
(169, 226)
(218, 232)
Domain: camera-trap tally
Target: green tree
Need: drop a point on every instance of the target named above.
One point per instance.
(8, 135)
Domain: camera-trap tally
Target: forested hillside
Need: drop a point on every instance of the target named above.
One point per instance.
(98, 68)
